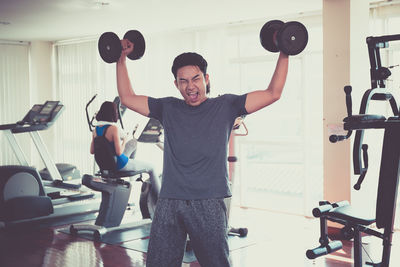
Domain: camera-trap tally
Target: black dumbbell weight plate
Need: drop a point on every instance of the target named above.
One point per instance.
(292, 38)
(109, 47)
(267, 35)
(139, 44)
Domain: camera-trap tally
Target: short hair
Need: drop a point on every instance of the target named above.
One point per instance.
(108, 112)
(190, 59)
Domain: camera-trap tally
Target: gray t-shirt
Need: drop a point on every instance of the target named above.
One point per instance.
(196, 145)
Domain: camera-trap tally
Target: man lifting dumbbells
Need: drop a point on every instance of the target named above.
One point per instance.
(196, 136)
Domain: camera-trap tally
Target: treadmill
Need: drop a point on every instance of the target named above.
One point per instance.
(67, 196)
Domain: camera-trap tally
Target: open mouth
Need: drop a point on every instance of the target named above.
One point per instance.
(193, 96)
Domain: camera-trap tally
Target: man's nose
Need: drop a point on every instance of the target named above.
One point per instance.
(190, 84)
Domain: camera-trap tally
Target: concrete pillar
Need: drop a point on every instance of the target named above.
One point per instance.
(41, 87)
(41, 72)
(345, 62)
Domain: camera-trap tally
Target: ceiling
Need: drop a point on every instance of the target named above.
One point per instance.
(54, 20)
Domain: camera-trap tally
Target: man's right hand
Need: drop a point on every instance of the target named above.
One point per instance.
(127, 48)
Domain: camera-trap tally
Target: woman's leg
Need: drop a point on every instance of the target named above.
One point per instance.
(140, 166)
(130, 148)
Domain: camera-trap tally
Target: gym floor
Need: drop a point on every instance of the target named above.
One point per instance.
(273, 240)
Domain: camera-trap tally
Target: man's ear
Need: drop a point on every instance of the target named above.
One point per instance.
(206, 78)
(176, 84)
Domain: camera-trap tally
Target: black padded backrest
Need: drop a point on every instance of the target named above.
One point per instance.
(104, 153)
(388, 177)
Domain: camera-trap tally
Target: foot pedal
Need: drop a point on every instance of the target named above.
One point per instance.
(62, 184)
(373, 264)
(80, 196)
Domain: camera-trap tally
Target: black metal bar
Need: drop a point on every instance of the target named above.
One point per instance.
(357, 249)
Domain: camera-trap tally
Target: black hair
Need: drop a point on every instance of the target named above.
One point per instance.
(190, 59)
(108, 112)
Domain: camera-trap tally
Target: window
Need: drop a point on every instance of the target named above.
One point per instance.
(14, 99)
(280, 161)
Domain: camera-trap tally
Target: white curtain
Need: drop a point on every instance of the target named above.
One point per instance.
(14, 94)
(78, 79)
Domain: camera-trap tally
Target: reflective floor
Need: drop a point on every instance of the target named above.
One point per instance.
(273, 240)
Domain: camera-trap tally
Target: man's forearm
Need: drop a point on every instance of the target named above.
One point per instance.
(279, 77)
(123, 82)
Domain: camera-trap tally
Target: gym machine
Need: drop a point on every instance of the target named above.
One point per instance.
(25, 194)
(232, 159)
(114, 188)
(355, 221)
(152, 133)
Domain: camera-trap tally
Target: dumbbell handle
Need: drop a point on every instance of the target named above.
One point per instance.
(110, 46)
(289, 38)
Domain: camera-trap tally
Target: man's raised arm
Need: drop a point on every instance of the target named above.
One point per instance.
(128, 97)
(259, 99)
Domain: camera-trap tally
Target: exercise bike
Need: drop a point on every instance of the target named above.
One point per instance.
(111, 183)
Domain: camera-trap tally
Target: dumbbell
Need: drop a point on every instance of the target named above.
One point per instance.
(110, 47)
(290, 38)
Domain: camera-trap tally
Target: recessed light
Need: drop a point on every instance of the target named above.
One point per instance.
(102, 3)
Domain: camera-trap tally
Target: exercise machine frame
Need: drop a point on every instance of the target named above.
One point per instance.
(114, 189)
(355, 221)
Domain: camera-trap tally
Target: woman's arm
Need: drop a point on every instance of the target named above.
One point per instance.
(92, 143)
(118, 145)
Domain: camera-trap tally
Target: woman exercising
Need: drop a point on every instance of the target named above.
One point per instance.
(125, 150)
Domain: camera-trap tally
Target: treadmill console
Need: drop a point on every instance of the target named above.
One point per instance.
(42, 114)
(152, 132)
(39, 117)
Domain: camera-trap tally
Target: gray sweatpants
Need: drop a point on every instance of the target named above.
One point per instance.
(205, 222)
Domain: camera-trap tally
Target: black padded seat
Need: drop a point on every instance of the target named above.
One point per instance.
(353, 215)
(394, 119)
(118, 174)
(364, 118)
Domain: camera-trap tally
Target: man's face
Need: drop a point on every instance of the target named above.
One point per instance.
(191, 82)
